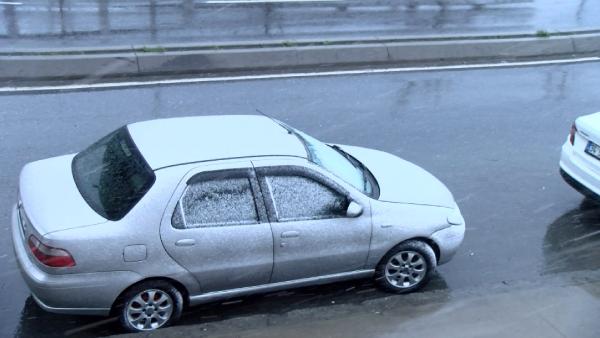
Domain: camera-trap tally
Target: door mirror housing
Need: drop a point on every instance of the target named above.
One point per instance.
(354, 209)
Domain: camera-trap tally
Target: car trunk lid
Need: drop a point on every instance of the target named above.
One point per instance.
(589, 127)
(588, 130)
(50, 199)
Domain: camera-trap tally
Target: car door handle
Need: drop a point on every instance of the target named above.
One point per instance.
(290, 234)
(185, 242)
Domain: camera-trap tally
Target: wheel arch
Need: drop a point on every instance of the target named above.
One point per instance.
(177, 284)
(431, 243)
(428, 241)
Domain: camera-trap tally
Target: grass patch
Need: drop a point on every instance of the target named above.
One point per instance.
(542, 34)
(156, 49)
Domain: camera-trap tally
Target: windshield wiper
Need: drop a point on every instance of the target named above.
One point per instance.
(356, 163)
(343, 153)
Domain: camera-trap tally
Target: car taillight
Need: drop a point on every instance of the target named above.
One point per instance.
(572, 134)
(49, 256)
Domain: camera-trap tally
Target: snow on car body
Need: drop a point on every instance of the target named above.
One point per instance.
(164, 213)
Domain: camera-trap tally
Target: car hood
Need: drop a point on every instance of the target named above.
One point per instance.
(51, 199)
(401, 181)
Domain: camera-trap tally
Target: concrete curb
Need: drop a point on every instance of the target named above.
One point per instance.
(184, 59)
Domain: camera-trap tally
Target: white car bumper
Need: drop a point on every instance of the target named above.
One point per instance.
(581, 173)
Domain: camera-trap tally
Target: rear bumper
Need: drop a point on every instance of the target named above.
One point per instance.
(578, 174)
(82, 293)
(578, 186)
(71, 311)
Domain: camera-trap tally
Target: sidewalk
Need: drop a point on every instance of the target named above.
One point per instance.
(533, 311)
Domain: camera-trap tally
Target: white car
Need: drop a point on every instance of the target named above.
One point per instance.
(163, 214)
(580, 157)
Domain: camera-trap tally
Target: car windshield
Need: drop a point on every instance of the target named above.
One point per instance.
(111, 175)
(338, 162)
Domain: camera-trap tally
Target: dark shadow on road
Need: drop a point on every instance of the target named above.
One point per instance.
(572, 242)
(280, 303)
(36, 322)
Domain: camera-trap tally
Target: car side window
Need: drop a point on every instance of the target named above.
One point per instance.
(297, 198)
(216, 202)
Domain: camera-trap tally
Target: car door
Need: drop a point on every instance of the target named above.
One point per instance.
(216, 227)
(312, 234)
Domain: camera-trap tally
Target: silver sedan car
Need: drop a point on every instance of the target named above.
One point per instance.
(164, 214)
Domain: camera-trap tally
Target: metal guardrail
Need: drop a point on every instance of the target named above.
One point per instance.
(79, 19)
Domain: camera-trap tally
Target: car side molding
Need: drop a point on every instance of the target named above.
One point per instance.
(220, 295)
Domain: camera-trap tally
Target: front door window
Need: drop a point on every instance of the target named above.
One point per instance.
(298, 198)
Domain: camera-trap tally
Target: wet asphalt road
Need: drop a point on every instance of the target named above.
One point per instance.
(90, 23)
(493, 136)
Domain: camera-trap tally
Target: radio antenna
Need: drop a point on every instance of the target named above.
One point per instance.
(289, 130)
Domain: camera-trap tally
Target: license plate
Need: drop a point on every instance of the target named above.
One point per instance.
(593, 149)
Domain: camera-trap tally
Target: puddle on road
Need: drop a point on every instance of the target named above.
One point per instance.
(314, 302)
(572, 241)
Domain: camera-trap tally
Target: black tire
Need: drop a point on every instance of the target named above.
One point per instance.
(429, 262)
(167, 289)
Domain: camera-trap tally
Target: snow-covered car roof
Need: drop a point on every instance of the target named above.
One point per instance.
(174, 141)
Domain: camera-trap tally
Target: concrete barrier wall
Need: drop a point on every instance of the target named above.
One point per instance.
(136, 63)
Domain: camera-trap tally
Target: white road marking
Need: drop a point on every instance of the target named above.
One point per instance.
(10, 3)
(90, 326)
(109, 85)
(591, 234)
(543, 208)
(466, 198)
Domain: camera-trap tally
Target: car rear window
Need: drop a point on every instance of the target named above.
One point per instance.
(111, 175)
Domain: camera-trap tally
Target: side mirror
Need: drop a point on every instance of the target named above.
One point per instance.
(354, 209)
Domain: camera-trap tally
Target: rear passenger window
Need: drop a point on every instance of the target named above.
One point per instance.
(216, 202)
(298, 198)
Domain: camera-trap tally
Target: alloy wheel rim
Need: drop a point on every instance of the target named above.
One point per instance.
(149, 309)
(405, 269)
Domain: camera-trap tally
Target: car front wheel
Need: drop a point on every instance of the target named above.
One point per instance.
(149, 306)
(406, 267)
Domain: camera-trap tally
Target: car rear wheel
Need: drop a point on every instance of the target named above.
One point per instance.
(406, 267)
(150, 306)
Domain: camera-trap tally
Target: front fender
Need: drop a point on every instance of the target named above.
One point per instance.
(394, 223)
